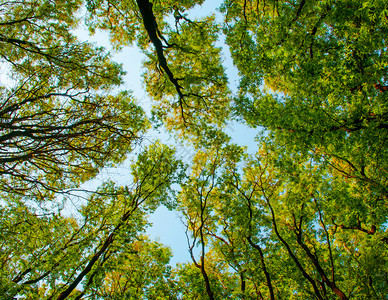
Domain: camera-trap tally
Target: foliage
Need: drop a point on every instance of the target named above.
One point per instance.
(49, 254)
(304, 217)
(185, 74)
(60, 122)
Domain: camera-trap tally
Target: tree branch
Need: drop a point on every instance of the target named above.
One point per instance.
(151, 27)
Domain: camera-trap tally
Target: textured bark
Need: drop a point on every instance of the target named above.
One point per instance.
(266, 273)
(88, 267)
(151, 27)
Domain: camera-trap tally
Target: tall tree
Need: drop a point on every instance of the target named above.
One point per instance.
(52, 255)
(316, 81)
(305, 217)
(61, 120)
(184, 72)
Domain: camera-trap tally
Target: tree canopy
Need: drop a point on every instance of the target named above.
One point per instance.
(303, 217)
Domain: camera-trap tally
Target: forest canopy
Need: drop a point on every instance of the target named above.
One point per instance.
(303, 217)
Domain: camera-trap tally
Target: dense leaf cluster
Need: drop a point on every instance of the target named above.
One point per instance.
(304, 217)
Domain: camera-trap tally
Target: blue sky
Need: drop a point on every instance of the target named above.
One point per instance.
(167, 226)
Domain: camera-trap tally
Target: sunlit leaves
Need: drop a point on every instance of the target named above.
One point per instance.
(51, 248)
(61, 120)
(303, 218)
(204, 85)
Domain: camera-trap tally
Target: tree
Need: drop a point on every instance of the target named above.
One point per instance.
(305, 217)
(141, 271)
(51, 255)
(197, 203)
(184, 71)
(313, 76)
(60, 122)
(319, 66)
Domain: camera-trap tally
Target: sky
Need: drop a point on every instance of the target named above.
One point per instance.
(167, 227)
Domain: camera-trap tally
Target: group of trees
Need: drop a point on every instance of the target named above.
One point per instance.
(305, 217)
